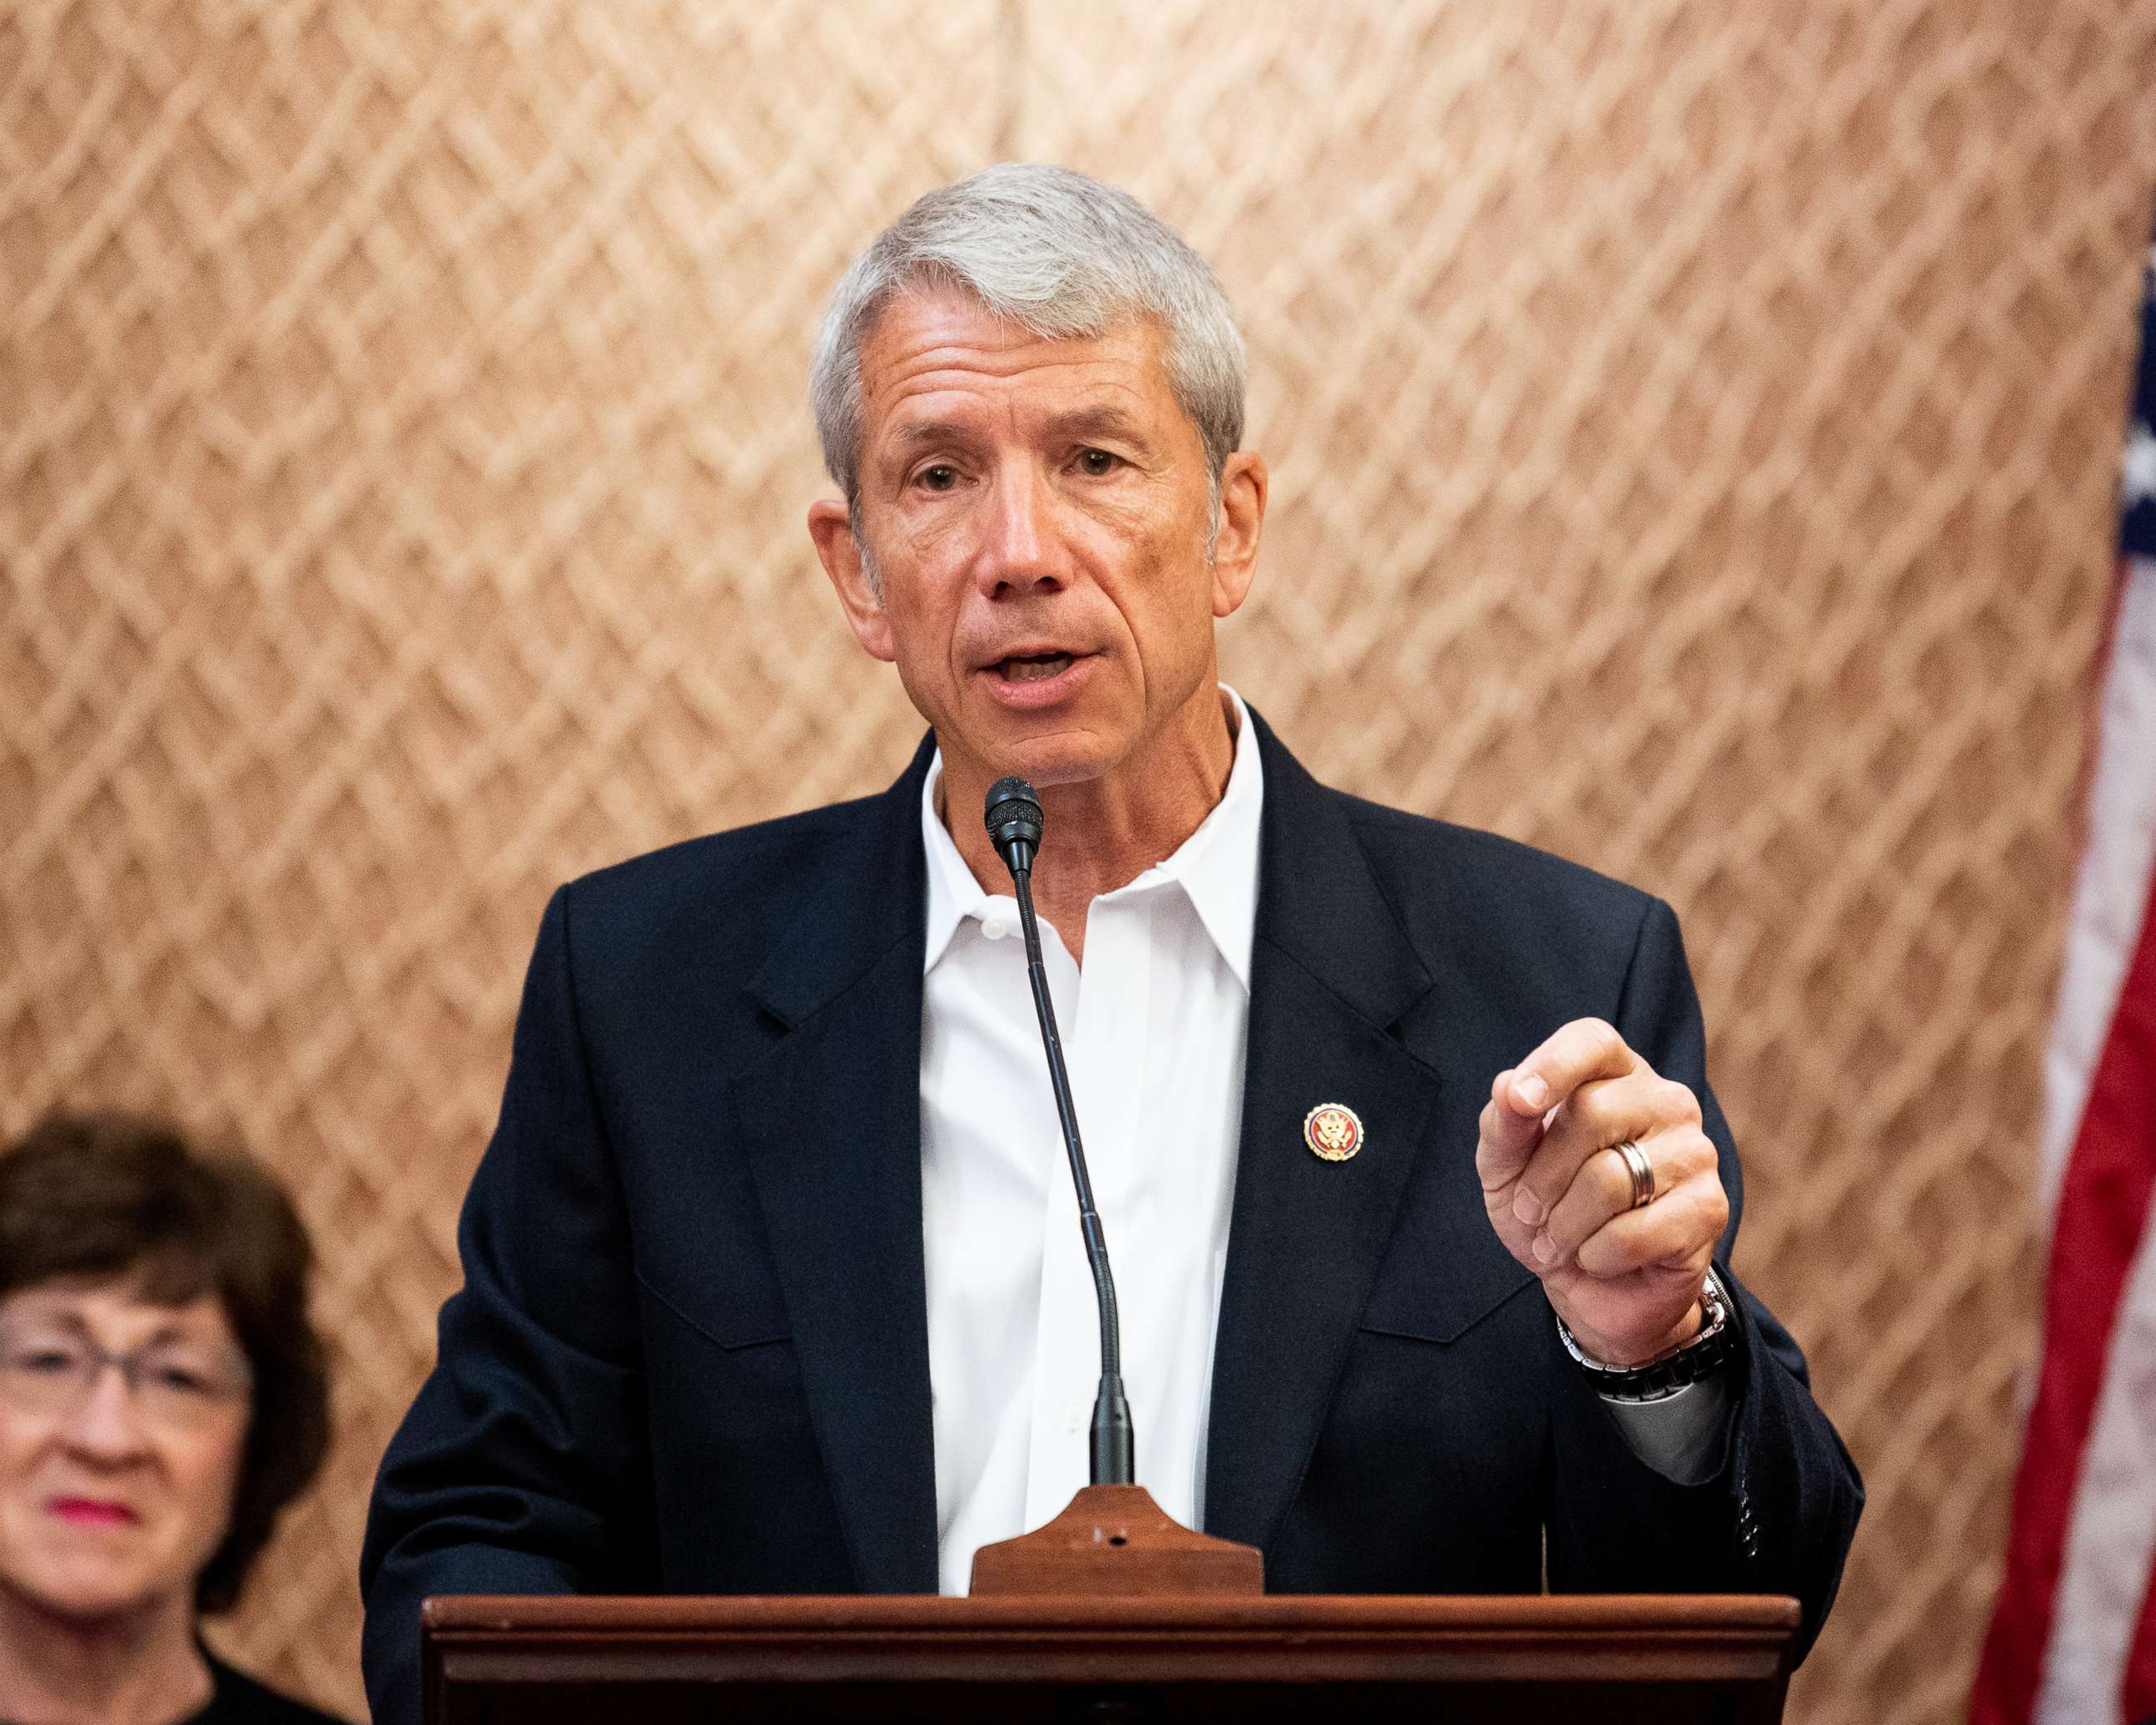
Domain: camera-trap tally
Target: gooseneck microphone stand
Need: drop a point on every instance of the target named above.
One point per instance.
(1014, 824)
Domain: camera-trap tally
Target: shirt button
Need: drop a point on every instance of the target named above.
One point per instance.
(997, 927)
(1074, 1418)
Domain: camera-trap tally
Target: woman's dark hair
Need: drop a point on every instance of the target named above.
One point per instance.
(124, 1197)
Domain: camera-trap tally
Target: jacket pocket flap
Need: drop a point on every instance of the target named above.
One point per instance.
(1406, 1306)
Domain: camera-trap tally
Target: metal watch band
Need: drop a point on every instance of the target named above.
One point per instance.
(1707, 1353)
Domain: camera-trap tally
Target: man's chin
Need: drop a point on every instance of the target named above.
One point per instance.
(1046, 757)
(1049, 766)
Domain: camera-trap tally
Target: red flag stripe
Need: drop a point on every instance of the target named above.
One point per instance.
(2103, 1206)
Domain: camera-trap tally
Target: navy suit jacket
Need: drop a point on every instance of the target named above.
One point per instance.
(691, 1353)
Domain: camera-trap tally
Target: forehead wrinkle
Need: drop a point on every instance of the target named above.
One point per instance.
(1111, 377)
(937, 359)
(954, 318)
(1121, 405)
(961, 381)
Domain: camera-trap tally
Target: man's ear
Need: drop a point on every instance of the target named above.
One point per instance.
(1243, 482)
(840, 553)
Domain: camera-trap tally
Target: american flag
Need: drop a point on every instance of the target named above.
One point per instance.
(2073, 1633)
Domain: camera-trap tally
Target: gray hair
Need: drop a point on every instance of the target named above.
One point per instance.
(1057, 253)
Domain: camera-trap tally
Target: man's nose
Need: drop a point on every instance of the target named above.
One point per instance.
(1018, 549)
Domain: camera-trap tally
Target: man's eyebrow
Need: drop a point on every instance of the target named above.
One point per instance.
(1097, 422)
(917, 432)
(1106, 421)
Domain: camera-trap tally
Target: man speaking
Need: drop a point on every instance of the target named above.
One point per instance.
(1420, 1204)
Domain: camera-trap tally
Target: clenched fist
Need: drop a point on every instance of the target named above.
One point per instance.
(1625, 1280)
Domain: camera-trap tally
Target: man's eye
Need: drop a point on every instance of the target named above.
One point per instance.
(43, 1362)
(1097, 463)
(939, 477)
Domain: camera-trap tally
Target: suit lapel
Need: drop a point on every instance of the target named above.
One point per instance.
(833, 1122)
(1331, 971)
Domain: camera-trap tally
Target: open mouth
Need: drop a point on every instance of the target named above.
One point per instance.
(1033, 667)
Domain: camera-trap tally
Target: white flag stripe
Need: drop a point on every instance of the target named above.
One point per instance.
(2111, 1540)
(2112, 890)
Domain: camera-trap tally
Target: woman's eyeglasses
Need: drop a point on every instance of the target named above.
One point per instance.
(175, 1385)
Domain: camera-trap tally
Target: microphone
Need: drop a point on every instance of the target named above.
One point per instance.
(1014, 824)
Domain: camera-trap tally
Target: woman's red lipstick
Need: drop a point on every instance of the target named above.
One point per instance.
(93, 1512)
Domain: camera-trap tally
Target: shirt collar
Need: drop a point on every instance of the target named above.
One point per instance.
(1216, 866)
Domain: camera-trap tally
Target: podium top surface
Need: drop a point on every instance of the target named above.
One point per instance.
(783, 1638)
(1014, 1659)
(1734, 1617)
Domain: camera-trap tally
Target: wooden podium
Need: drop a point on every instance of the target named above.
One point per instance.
(1613, 1659)
(1134, 1620)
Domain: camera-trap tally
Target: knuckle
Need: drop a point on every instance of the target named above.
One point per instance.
(1710, 1160)
(1612, 1112)
(1591, 1204)
(1692, 1154)
(1603, 1254)
(1569, 1219)
(1596, 1110)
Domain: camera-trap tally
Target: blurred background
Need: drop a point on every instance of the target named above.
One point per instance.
(1695, 430)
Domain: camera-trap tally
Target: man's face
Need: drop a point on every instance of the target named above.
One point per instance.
(1037, 513)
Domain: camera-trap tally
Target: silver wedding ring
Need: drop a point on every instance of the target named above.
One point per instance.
(1641, 1170)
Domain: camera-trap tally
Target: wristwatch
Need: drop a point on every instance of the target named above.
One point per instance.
(1663, 1376)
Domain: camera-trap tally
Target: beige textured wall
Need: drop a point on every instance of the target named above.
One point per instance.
(1694, 427)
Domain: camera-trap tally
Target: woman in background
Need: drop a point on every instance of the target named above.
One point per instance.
(162, 1397)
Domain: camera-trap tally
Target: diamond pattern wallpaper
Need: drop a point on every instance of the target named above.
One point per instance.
(1695, 431)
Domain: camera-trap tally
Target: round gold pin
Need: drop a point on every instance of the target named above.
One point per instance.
(1333, 1131)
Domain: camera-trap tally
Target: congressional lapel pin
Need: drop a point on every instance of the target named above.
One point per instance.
(1333, 1131)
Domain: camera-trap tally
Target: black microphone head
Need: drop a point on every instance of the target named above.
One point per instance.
(1014, 820)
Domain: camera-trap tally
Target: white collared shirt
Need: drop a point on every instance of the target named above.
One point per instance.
(1153, 1032)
